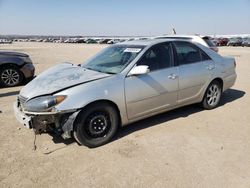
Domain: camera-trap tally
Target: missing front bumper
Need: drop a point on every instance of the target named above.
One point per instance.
(61, 124)
(21, 117)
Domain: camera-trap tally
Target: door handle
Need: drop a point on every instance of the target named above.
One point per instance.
(172, 76)
(210, 67)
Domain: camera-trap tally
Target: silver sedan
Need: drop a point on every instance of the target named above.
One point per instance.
(122, 84)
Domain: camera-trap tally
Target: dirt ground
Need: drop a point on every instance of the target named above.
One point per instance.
(188, 147)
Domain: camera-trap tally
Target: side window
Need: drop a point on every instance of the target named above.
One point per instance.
(187, 53)
(205, 56)
(157, 57)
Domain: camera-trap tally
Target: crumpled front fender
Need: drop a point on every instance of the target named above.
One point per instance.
(67, 124)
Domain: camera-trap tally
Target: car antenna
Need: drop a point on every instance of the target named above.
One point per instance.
(173, 31)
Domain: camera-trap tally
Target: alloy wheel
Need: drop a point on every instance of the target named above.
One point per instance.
(213, 95)
(10, 77)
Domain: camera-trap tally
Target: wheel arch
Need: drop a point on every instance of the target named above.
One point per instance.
(203, 103)
(13, 60)
(109, 102)
(220, 80)
(4, 65)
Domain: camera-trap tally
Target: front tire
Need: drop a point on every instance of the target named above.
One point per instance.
(212, 95)
(96, 125)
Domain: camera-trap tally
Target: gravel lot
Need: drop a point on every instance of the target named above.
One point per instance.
(188, 147)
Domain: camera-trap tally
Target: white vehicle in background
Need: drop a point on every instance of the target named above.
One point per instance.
(5, 41)
(204, 40)
(115, 41)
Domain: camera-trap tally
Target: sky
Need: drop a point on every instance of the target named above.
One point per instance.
(124, 17)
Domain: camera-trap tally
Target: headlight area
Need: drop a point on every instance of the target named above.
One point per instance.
(45, 117)
(43, 104)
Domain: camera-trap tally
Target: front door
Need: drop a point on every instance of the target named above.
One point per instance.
(156, 90)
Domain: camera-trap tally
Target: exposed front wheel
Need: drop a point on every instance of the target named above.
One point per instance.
(212, 96)
(96, 125)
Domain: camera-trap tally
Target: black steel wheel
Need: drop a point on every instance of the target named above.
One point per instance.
(96, 124)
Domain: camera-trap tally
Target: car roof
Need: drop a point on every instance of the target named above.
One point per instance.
(194, 38)
(181, 36)
(12, 53)
(148, 42)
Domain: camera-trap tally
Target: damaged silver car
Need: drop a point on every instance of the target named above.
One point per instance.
(122, 84)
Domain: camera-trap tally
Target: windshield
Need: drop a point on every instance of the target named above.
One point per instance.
(113, 59)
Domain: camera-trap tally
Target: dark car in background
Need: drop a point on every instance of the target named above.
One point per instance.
(246, 42)
(90, 41)
(222, 41)
(15, 68)
(103, 41)
(235, 41)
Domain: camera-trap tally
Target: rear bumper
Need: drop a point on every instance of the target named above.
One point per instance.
(28, 70)
(229, 81)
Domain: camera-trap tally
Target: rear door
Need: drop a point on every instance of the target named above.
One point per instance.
(195, 69)
(156, 90)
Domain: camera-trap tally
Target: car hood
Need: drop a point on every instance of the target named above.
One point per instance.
(58, 78)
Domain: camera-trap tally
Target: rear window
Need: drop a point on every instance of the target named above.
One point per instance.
(209, 42)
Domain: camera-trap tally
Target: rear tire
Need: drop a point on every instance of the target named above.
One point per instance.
(212, 95)
(10, 76)
(96, 125)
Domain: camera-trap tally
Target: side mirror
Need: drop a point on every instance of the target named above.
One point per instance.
(138, 70)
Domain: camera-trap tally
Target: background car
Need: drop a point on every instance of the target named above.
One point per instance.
(80, 41)
(103, 41)
(235, 41)
(15, 68)
(5, 41)
(246, 42)
(114, 41)
(215, 41)
(90, 41)
(204, 40)
(222, 41)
